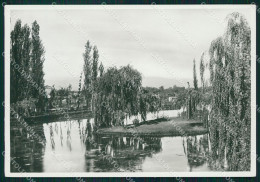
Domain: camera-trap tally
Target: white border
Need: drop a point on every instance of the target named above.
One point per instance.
(251, 173)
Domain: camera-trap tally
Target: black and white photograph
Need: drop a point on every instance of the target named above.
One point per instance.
(130, 90)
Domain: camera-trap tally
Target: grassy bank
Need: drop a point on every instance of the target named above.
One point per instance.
(171, 127)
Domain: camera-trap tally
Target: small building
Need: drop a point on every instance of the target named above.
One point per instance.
(172, 99)
(48, 90)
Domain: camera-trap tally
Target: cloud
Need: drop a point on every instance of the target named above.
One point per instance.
(147, 33)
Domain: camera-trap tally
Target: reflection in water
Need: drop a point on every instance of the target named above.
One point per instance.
(127, 153)
(27, 149)
(196, 150)
(61, 136)
(71, 146)
(52, 138)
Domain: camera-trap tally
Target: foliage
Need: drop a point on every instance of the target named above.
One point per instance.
(79, 91)
(101, 69)
(193, 95)
(95, 64)
(181, 99)
(202, 70)
(230, 80)
(149, 102)
(135, 121)
(37, 60)
(87, 88)
(193, 99)
(52, 97)
(164, 93)
(117, 95)
(20, 61)
(195, 80)
(25, 107)
(63, 92)
(27, 58)
(56, 96)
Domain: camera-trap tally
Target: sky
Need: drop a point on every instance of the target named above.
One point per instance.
(160, 43)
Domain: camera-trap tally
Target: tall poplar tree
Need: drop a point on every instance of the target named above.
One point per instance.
(37, 60)
(101, 70)
(94, 78)
(20, 62)
(26, 61)
(95, 64)
(202, 70)
(87, 88)
(16, 61)
(195, 80)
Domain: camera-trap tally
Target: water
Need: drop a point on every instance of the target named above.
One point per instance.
(70, 146)
(151, 116)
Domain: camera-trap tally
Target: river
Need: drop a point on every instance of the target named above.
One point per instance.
(70, 146)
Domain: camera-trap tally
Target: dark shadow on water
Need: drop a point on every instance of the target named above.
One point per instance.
(196, 149)
(27, 149)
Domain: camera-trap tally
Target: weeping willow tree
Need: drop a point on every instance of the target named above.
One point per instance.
(117, 96)
(230, 79)
(149, 102)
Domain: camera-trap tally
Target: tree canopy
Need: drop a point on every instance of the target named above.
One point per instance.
(117, 95)
(27, 58)
(230, 79)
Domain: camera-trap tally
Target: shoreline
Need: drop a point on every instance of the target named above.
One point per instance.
(172, 127)
(56, 117)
